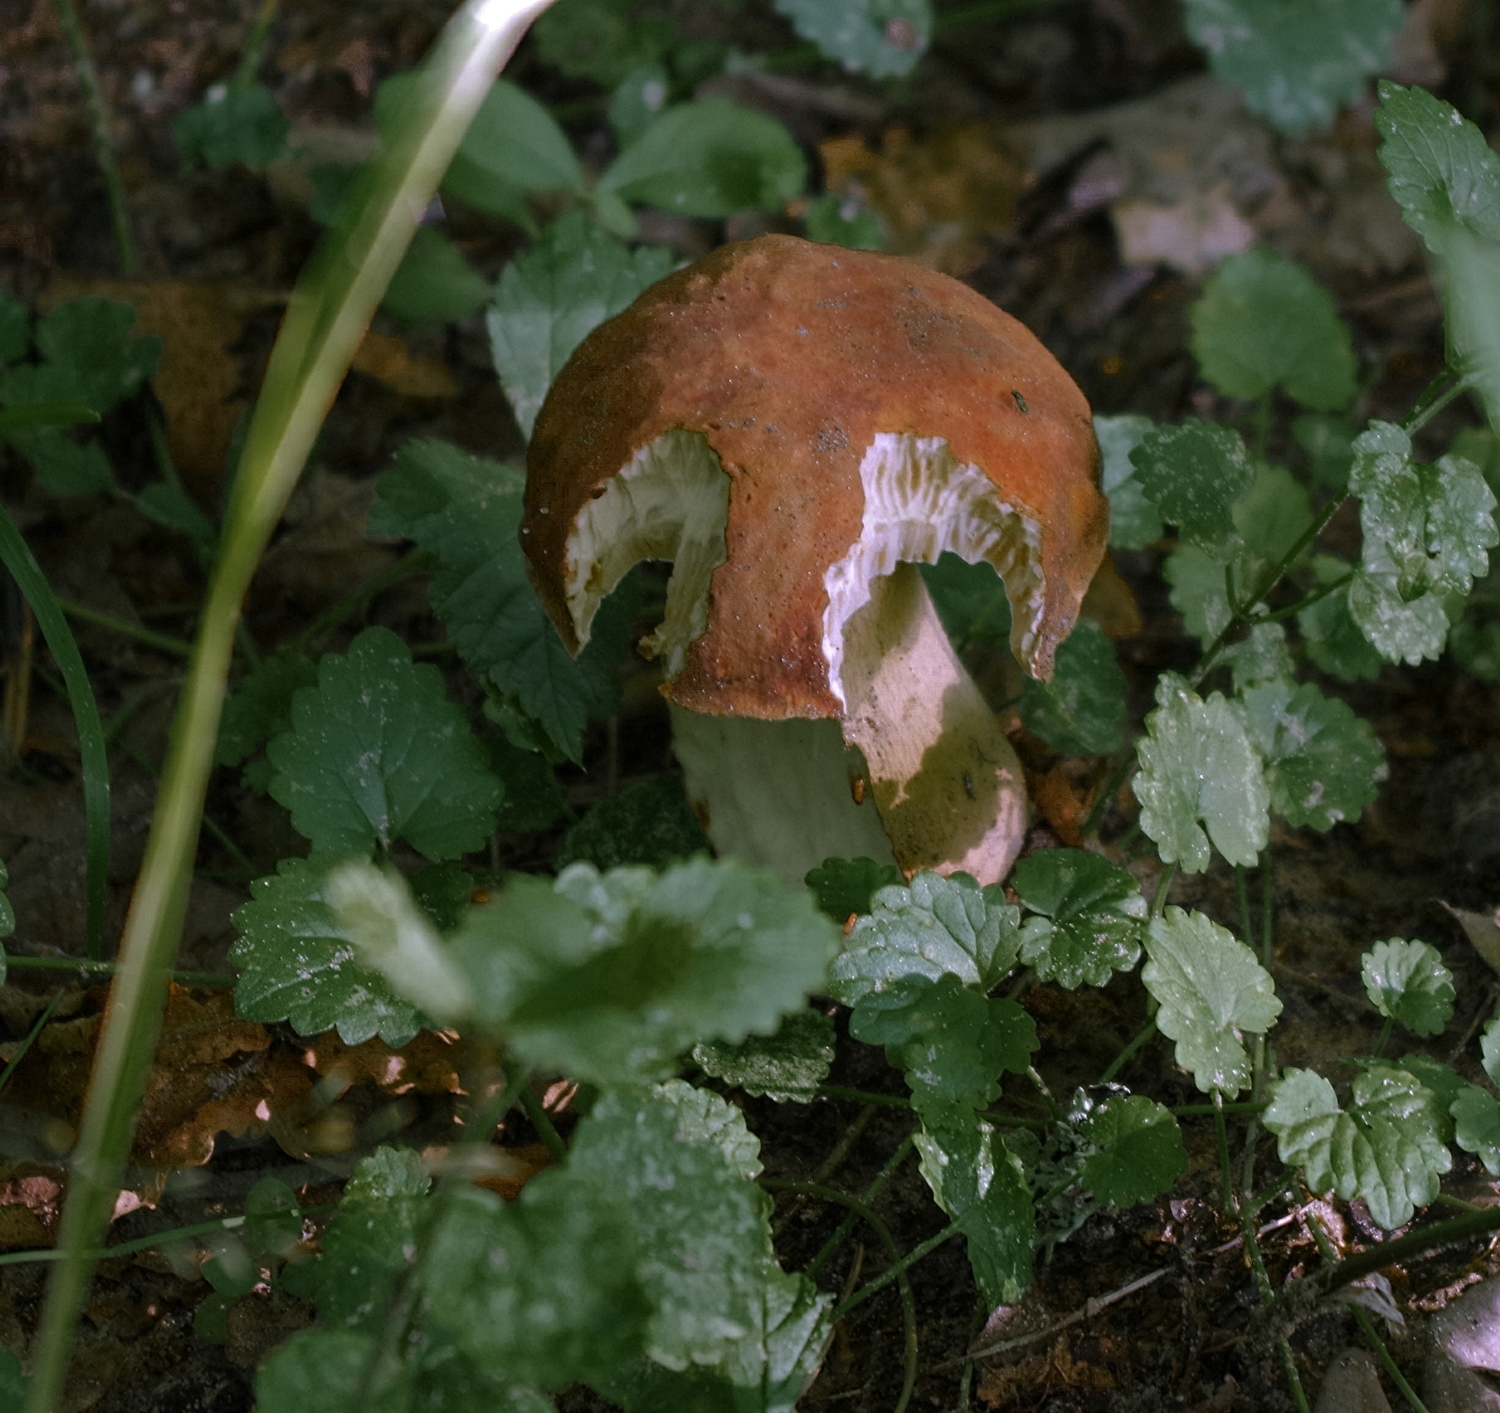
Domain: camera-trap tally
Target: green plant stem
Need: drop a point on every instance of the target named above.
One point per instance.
(1242, 896)
(324, 323)
(1262, 425)
(1433, 399)
(1385, 1035)
(255, 45)
(872, 1219)
(410, 563)
(894, 1272)
(16, 555)
(869, 1195)
(1107, 792)
(1268, 909)
(1053, 1107)
(81, 967)
(541, 1121)
(1136, 1041)
(37, 1027)
(1183, 1111)
(104, 152)
(1221, 1134)
(1307, 601)
(1159, 898)
(1392, 1253)
(162, 642)
(1289, 1368)
(861, 1096)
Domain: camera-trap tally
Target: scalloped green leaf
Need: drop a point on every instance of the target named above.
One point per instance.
(1407, 982)
(846, 888)
(1082, 710)
(7, 915)
(90, 356)
(1134, 521)
(1090, 916)
(786, 1067)
(935, 925)
(1200, 780)
(1386, 1148)
(1135, 1149)
(1211, 991)
(1476, 1125)
(649, 822)
(609, 977)
(877, 38)
(1194, 473)
(1334, 640)
(233, 124)
(261, 707)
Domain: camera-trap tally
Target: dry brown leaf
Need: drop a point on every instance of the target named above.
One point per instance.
(1483, 930)
(1110, 602)
(1061, 800)
(427, 1064)
(390, 360)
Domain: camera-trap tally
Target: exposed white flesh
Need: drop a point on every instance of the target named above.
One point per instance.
(777, 794)
(950, 791)
(671, 501)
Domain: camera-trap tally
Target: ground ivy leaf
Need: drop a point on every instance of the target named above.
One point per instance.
(90, 356)
(1211, 990)
(1323, 763)
(513, 144)
(1476, 1125)
(261, 706)
(1297, 73)
(1407, 982)
(386, 1173)
(378, 753)
(534, 797)
(878, 38)
(701, 1231)
(704, 1117)
(64, 467)
(1334, 640)
(1262, 656)
(832, 219)
(575, 277)
(1263, 322)
(935, 925)
(610, 977)
(1091, 916)
(1198, 764)
(846, 888)
(649, 822)
(1446, 178)
(1080, 712)
(1198, 591)
(7, 915)
(1137, 1150)
(273, 1220)
(970, 600)
(1194, 473)
(1386, 1148)
(978, 1182)
(543, 1288)
(298, 966)
(786, 1067)
(233, 124)
(1489, 1051)
(952, 1042)
(434, 281)
(1134, 521)
(709, 158)
(1443, 1080)
(600, 40)
(467, 511)
(1399, 629)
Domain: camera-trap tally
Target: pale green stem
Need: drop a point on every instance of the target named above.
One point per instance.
(325, 321)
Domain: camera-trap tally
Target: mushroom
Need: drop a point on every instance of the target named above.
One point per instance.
(796, 426)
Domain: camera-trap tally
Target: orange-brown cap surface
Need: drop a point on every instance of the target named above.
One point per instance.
(790, 357)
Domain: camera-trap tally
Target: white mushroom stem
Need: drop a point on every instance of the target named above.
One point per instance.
(940, 784)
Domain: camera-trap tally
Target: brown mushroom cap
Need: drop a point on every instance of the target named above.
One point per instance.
(789, 358)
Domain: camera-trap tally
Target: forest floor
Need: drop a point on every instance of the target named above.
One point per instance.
(1012, 160)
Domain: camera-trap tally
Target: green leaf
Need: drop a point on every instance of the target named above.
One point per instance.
(378, 753)
(649, 822)
(785, 1067)
(600, 39)
(64, 467)
(167, 503)
(1329, 442)
(710, 158)
(1135, 1149)
(467, 511)
(548, 300)
(704, 1117)
(970, 601)
(7, 916)
(765, 1371)
(1198, 591)
(846, 888)
(297, 965)
(15, 1387)
(1298, 68)
(1446, 179)
(935, 925)
(433, 281)
(952, 1042)
(231, 125)
(701, 1232)
(15, 338)
(90, 356)
(534, 797)
(1210, 989)
(1334, 640)
(1194, 473)
(1386, 1148)
(1443, 1080)
(980, 1183)
(1091, 916)
(878, 38)
(1262, 656)
(636, 101)
(1476, 1125)
(1198, 764)
(1081, 711)
(610, 977)
(387, 1173)
(513, 144)
(544, 1288)
(1263, 323)
(1407, 982)
(273, 1220)
(229, 1269)
(1134, 521)
(842, 220)
(1270, 518)
(1323, 763)
(261, 707)
(1489, 1051)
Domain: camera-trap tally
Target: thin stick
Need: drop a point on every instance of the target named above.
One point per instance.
(887, 1276)
(84, 968)
(162, 642)
(410, 563)
(1118, 1063)
(37, 1027)
(869, 1195)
